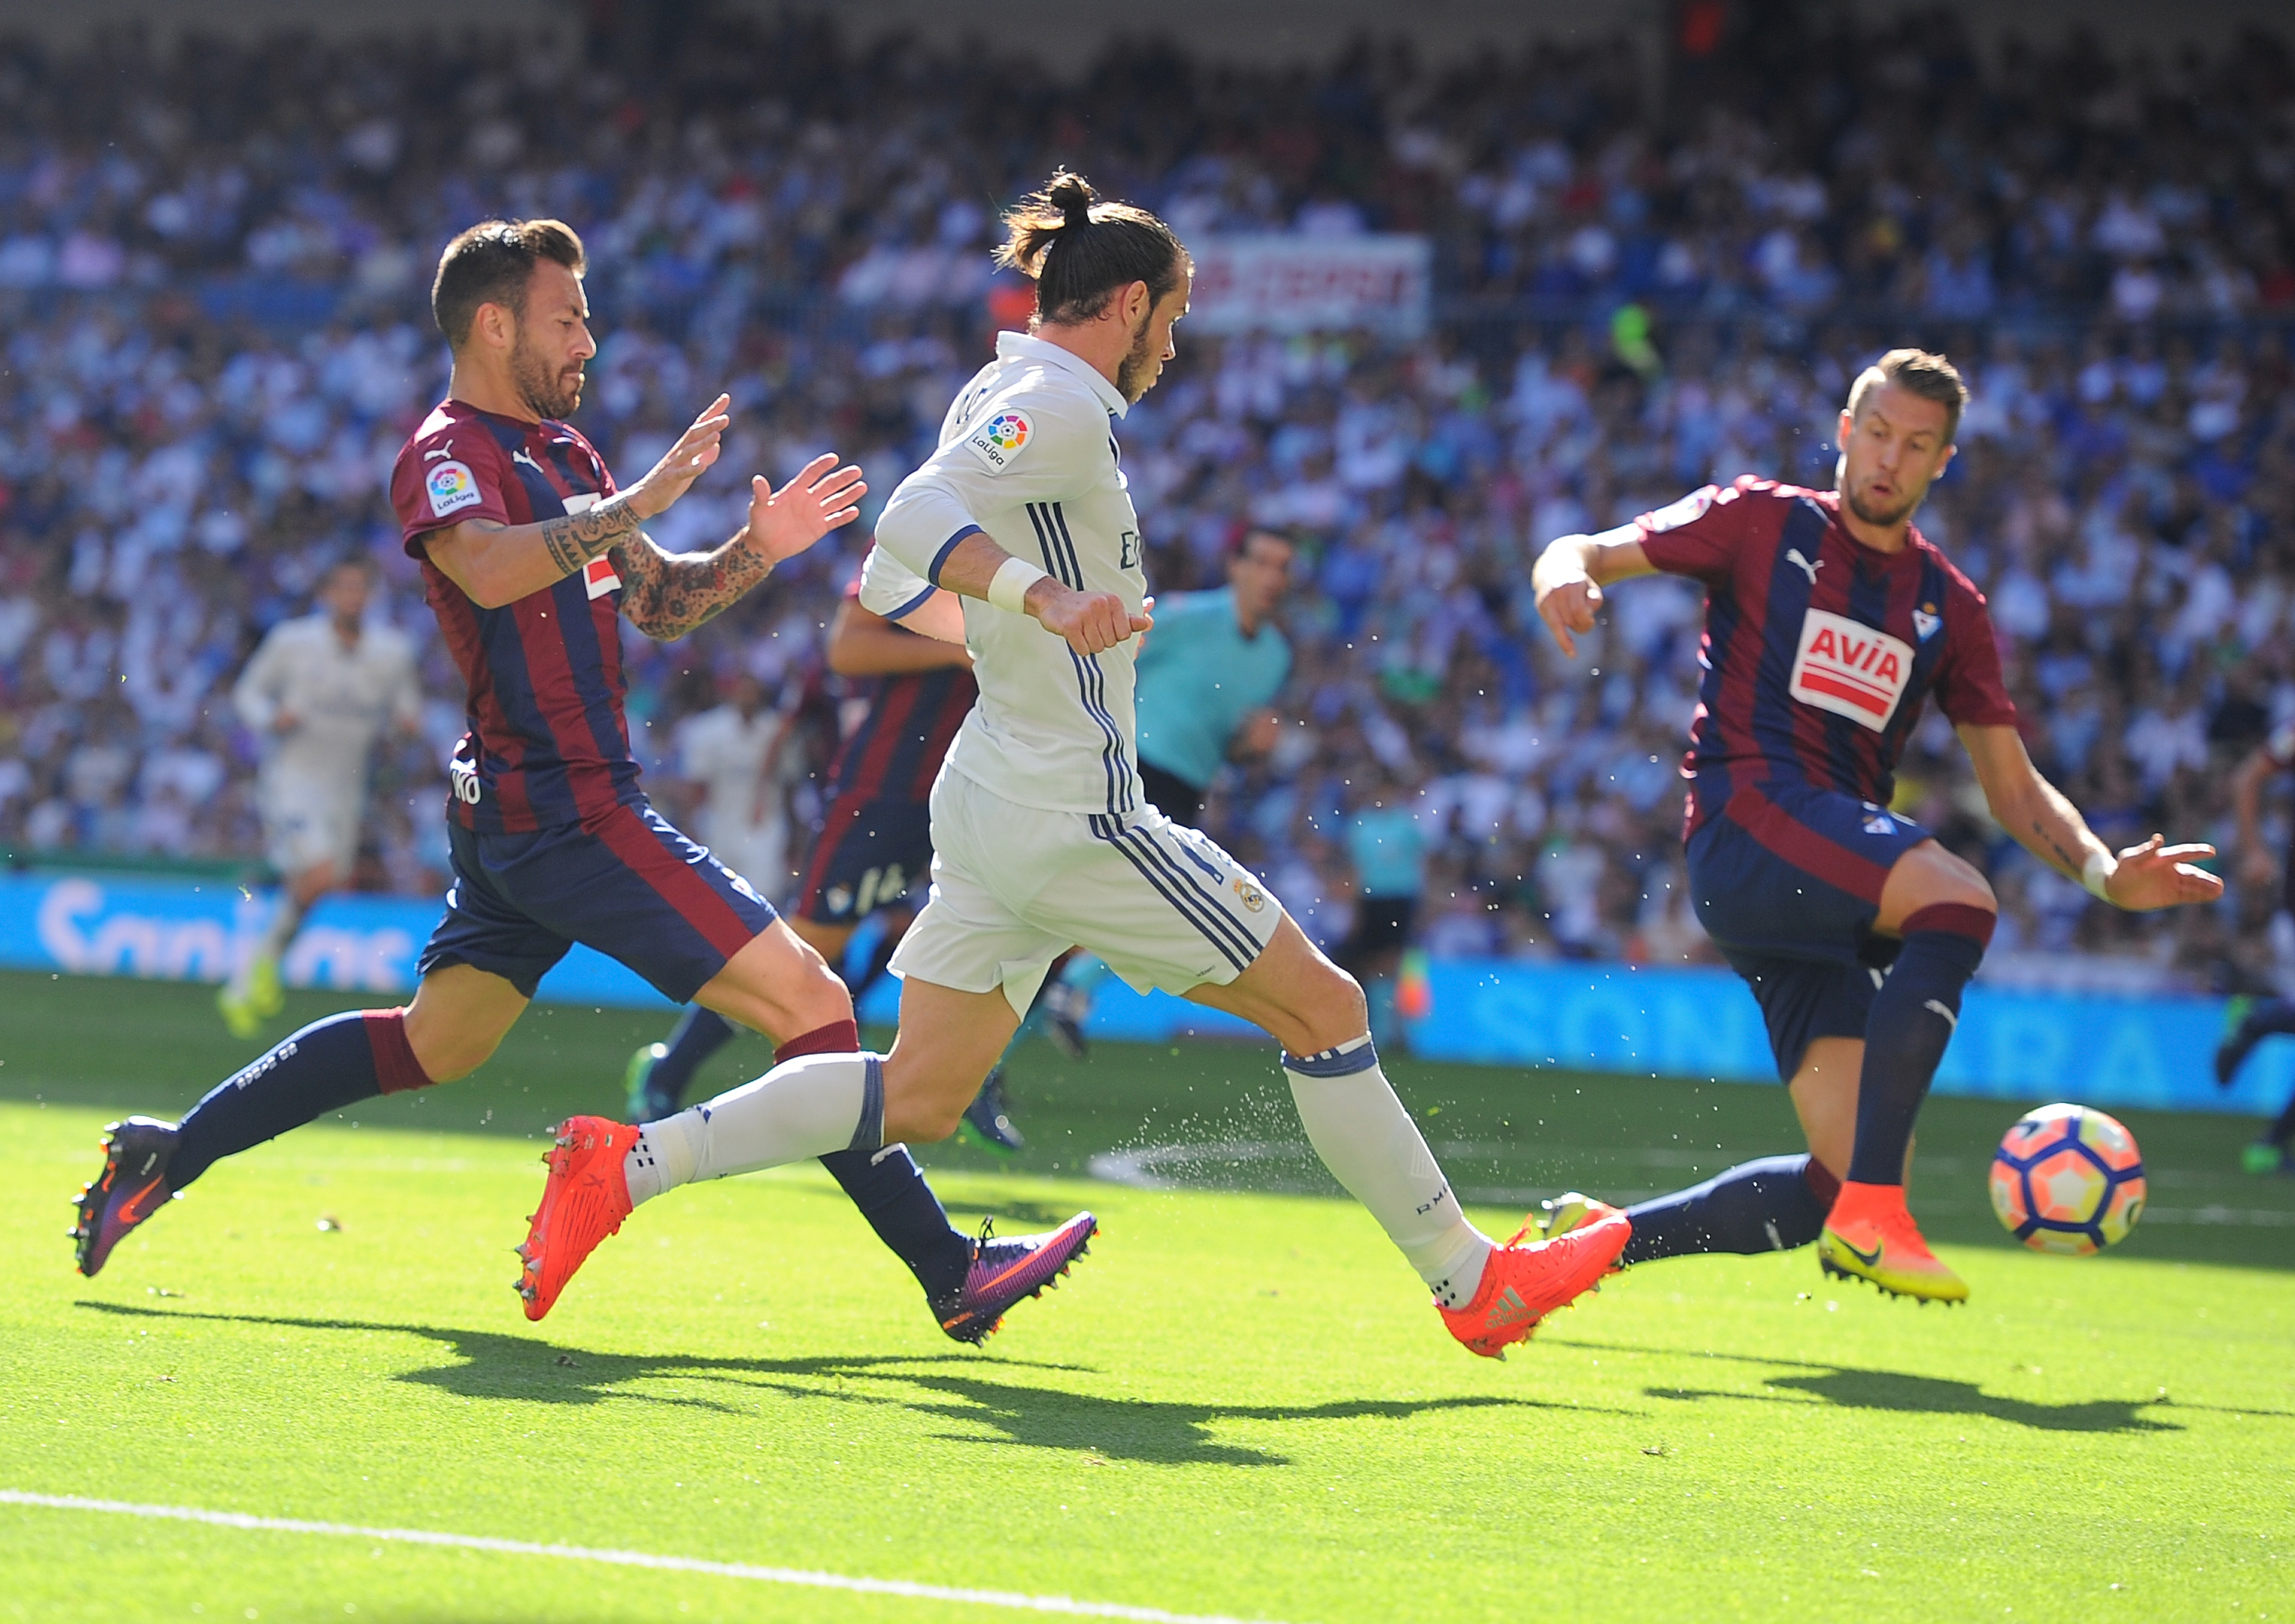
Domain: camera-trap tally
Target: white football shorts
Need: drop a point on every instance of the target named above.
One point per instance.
(308, 822)
(1015, 886)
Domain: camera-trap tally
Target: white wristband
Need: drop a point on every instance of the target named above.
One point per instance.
(2094, 874)
(1007, 587)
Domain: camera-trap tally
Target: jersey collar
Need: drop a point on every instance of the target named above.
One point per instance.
(1021, 347)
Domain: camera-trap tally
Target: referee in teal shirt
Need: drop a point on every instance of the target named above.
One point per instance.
(1206, 674)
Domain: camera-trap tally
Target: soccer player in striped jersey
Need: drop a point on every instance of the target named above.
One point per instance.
(530, 556)
(1829, 622)
(1041, 838)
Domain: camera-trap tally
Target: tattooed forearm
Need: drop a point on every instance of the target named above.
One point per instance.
(2065, 860)
(573, 539)
(666, 595)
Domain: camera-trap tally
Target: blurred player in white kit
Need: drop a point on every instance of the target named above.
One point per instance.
(744, 756)
(318, 693)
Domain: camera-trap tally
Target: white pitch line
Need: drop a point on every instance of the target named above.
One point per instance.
(1013, 1600)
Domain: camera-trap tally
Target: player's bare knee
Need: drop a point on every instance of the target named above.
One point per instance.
(1331, 1010)
(451, 1058)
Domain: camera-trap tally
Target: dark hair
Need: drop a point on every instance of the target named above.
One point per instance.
(1916, 373)
(491, 264)
(1238, 545)
(1078, 250)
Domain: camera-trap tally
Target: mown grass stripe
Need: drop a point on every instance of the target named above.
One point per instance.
(1010, 1600)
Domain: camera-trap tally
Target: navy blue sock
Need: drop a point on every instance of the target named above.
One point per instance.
(699, 1034)
(1912, 1020)
(889, 1187)
(327, 1066)
(1773, 1205)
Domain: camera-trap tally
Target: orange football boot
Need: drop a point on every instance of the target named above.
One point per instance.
(1870, 1236)
(585, 1201)
(1525, 1280)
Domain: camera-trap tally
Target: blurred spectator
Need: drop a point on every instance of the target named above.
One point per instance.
(213, 264)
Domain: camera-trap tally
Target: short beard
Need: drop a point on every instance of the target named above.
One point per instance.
(1134, 366)
(539, 387)
(1885, 519)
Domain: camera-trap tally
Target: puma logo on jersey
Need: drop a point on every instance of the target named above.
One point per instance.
(1848, 668)
(443, 451)
(1794, 558)
(520, 456)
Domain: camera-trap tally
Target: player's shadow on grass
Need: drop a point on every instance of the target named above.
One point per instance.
(493, 1366)
(1850, 1388)
(1890, 1390)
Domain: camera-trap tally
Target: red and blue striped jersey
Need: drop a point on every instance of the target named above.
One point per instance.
(897, 752)
(911, 719)
(548, 746)
(1820, 651)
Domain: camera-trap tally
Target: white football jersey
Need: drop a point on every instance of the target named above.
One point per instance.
(1027, 454)
(338, 698)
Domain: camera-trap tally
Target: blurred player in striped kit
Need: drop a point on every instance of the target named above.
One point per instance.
(319, 692)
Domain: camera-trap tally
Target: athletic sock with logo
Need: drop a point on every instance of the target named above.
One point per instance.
(1773, 1205)
(1367, 1140)
(327, 1066)
(809, 1106)
(699, 1034)
(1912, 1020)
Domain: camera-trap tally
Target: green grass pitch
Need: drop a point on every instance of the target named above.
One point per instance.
(1239, 1405)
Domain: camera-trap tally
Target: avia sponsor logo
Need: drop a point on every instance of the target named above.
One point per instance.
(598, 579)
(1845, 667)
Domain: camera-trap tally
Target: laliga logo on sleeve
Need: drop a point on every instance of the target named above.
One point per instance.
(451, 487)
(1844, 666)
(1000, 438)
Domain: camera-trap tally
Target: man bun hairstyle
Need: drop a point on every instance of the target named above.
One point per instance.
(1915, 371)
(491, 264)
(1080, 251)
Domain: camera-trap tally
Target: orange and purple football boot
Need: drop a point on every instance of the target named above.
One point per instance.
(1004, 1271)
(1870, 1236)
(131, 1188)
(585, 1201)
(1525, 1280)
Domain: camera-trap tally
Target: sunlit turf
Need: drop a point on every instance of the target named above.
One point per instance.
(1239, 1404)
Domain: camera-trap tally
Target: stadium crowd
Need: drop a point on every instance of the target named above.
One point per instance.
(213, 262)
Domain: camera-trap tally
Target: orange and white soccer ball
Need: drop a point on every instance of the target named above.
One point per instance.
(2069, 1180)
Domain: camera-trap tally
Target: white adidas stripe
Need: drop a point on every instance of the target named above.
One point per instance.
(1012, 1601)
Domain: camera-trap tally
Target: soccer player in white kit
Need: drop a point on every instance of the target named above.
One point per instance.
(745, 755)
(318, 692)
(1041, 835)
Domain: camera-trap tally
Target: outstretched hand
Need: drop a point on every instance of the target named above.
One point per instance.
(784, 523)
(2157, 875)
(683, 464)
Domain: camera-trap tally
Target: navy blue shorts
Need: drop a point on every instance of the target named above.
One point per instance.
(866, 855)
(1787, 879)
(629, 886)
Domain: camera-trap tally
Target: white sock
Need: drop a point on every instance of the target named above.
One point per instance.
(801, 1108)
(1371, 1145)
